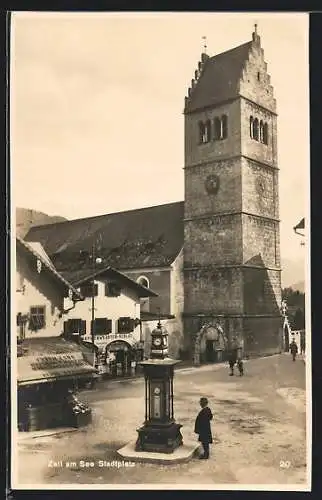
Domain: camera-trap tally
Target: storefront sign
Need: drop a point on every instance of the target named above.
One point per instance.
(57, 361)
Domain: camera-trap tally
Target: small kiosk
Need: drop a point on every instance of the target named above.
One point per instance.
(160, 432)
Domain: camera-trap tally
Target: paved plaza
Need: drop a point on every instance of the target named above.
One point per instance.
(259, 430)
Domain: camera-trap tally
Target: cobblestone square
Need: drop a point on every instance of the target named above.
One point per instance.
(259, 429)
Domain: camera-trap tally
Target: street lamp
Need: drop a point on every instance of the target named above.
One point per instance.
(95, 260)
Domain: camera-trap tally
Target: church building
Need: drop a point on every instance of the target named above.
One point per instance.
(214, 258)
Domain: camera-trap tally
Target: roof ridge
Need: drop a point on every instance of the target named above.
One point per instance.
(132, 210)
(34, 252)
(231, 50)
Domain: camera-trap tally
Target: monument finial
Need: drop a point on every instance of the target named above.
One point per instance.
(255, 28)
(204, 38)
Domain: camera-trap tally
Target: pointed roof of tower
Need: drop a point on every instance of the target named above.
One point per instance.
(217, 77)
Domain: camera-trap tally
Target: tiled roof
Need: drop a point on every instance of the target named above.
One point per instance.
(26, 247)
(146, 237)
(43, 360)
(219, 78)
(80, 276)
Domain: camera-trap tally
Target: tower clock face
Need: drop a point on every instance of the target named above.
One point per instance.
(212, 184)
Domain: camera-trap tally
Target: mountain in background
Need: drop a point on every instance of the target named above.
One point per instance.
(293, 274)
(26, 218)
(292, 270)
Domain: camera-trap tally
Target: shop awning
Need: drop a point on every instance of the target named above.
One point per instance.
(46, 360)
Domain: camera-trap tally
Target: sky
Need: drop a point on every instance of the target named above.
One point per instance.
(97, 101)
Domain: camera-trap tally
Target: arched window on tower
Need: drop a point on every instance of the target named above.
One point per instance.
(201, 132)
(261, 131)
(217, 124)
(144, 301)
(256, 130)
(251, 127)
(265, 133)
(224, 127)
(208, 131)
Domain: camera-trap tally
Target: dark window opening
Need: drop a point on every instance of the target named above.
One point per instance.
(258, 76)
(75, 326)
(112, 289)
(261, 131)
(125, 325)
(201, 133)
(208, 131)
(37, 318)
(265, 134)
(251, 127)
(102, 326)
(256, 130)
(217, 124)
(144, 282)
(87, 289)
(224, 127)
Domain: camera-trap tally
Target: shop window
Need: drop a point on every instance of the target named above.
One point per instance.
(102, 326)
(125, 325)
(37, 319)
(87, 289)
(112, 289)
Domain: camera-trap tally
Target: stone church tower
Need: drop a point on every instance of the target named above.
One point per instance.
(231, 214)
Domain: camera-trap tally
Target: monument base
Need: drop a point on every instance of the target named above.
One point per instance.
(182, 454)
(159, 439)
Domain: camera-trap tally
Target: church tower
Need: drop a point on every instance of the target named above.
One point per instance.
(232, 271)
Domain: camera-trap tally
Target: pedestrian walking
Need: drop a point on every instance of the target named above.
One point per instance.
(293, 349)
(240, 366)
(302, 344)
(202, 427)
(232, 360)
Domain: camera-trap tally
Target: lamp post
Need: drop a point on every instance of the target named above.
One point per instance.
(159, 433)
(95, 260)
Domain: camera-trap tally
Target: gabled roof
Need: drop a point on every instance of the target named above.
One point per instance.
(78, 277)
(31, 252)
(145, 237)
(219, 78)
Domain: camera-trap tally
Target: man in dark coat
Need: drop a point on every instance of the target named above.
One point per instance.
(293, 349)
(232, 360)
(202, 427)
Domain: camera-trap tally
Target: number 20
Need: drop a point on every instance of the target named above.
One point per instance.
(285, 464)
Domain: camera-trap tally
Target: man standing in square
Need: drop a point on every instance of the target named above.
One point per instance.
(202, 427)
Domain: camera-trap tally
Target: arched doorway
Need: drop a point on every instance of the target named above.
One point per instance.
(120, 356)
(210, 344)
